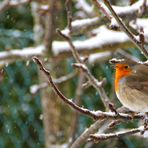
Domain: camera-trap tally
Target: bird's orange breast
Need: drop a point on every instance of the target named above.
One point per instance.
(122, 71)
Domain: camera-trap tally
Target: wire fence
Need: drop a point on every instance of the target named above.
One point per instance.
(20, 123)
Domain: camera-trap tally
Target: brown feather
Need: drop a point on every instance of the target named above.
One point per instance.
(139, 79)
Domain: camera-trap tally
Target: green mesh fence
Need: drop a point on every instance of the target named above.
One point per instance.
(20, 112)
(20, 124)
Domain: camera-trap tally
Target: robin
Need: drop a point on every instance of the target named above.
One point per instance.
(131, 85)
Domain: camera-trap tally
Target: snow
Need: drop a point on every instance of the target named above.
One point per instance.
(104, 37)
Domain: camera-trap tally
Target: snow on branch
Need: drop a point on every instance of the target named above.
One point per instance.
(6, 4)
(83, 25)
(93, 114)
(131, 11)
(105, 40)
(139, 43)
(98, 137)
(7, 57)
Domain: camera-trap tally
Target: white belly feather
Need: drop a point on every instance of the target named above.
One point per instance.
(133, 99)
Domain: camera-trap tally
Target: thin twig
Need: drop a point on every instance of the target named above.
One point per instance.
(50, 25)
(66, 100)
(67, 38)
(86, 25)
(36, 88)
(93, 114)
(93, 81)
(100, 137)
(126, 30)
(100, 6)
(69, 14)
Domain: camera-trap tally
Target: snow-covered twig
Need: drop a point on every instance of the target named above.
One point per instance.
(138, 43)
(93, 81)
(84, 25)
(93, 114)
(61, 49)
(7, 57)
(99, 137)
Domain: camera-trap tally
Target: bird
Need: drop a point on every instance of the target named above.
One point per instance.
(131, 85)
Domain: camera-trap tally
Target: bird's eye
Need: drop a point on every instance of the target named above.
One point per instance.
(126, 66)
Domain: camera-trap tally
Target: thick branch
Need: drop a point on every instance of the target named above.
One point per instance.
(50, 25)
(93, 81)
(100, 42)
(61, 49)
(92, 114)
(7, 57)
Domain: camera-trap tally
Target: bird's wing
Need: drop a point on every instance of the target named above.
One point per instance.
(139, 80)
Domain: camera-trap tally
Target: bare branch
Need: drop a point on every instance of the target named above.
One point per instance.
(93, 114)
(93, 81)
(126, 30)
(141, 37)
(36, 88)
(100, 137)
(61, 49)
(85, 7)
(86, 134)
(101, 7)
(66, 100)
(50, 25)
(75, 54)
(84, 25)
(100, 42)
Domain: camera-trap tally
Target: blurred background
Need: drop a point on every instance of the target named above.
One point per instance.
(27, 117)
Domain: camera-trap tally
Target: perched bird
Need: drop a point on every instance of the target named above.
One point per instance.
(131, 85)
